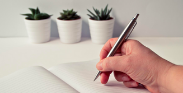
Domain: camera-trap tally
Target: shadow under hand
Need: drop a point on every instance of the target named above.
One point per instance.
(115, 83)
(120, 84)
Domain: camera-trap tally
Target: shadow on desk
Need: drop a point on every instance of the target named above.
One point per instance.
(57, 39)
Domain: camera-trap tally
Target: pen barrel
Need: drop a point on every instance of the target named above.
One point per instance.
(122, 38)
(124, 35)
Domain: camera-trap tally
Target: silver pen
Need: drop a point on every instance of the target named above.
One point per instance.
(122, 38)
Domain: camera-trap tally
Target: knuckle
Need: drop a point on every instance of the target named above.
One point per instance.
(134, 42)
(112, 39)
(109, 41)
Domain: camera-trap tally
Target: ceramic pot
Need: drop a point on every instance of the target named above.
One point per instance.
(38, 30)
(101, 31)
(69, 30)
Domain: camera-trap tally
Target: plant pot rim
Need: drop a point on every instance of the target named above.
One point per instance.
(112, 18)
(69, 20)
(38, 20)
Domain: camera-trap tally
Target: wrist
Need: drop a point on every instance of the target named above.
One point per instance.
(163, 80)
(174, 79)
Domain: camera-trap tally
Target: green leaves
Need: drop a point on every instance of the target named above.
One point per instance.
(29, 16)
(107, 13)
(105, 10)
(92, 13)
(97, 12)
(68, 15)
(37, 11)
(32, 10)
(104, 14)
(36, 14)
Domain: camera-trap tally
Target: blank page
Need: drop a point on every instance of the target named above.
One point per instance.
(33, 80)
(80, 75)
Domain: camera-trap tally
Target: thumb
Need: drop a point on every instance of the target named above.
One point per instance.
(114, 63)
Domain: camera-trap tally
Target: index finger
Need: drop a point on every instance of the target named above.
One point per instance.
(107, 47)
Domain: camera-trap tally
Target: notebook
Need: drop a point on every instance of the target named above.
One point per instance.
(76, 77)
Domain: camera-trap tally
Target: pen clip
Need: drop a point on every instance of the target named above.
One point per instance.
(131, 31)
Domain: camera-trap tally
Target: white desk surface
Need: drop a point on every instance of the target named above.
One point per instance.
(17, 52)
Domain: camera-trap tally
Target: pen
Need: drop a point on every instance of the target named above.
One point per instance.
(122, 38)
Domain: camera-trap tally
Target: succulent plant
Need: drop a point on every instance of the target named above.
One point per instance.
(100, 15)
(69, 15)
(36, 15)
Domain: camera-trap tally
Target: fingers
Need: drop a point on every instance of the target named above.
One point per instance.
(126, 47)
(120, 76)
(104, 77)
(131, 84)
(115, 63)
(127, 81)
(107, 47)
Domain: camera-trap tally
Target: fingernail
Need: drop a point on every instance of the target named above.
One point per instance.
(100, 66)
(134, 84)
(125, 78)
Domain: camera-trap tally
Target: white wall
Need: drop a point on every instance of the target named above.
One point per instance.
(157, 17)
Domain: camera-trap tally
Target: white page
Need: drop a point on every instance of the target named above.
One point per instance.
(34, 80)
(80, 75)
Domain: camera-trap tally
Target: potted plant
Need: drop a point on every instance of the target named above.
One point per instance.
(69, 26)
(101, 25)
(38, 26)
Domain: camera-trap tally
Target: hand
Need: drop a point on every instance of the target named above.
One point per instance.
(133, 63)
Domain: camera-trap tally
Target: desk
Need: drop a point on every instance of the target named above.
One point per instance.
(17, 52)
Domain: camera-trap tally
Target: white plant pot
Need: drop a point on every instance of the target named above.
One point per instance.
(38, 30)
(69, 30)
(101, 31)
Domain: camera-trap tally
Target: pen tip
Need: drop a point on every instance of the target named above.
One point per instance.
(97, 75)
(95, 78)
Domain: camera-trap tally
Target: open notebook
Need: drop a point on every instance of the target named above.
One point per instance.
(74, 77)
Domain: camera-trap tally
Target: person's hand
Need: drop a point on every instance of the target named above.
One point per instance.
(132, 64)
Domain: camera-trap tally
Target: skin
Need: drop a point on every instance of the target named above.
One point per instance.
(134, 63)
